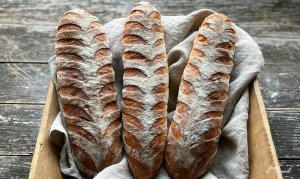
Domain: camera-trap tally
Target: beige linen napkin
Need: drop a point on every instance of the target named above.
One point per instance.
(232, 157)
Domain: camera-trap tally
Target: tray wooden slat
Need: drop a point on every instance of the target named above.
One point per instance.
(45, 158)
(263, 161)
(262, 155)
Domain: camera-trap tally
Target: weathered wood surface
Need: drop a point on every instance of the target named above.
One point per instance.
(19, 166)
(270, 15)
(14, 166)
(280, 50)
(290, 169)
(23, 82)
(28, 83)
(19, 126)
(27, 31)
(36, 44)
(280, 85)
(26, 43)
(285, 127)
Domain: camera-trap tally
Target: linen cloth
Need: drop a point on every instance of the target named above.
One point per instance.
(232, 157)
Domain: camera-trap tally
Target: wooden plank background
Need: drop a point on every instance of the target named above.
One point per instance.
(27, 31)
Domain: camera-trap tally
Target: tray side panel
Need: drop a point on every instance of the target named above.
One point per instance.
(263, 161)
(45, 158)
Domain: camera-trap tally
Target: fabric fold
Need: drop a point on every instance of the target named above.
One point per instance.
(232, 156)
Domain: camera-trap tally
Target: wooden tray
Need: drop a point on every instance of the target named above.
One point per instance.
(263, 158)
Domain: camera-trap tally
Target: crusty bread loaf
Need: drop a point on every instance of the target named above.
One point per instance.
(145, 91)
(194, 132)
(87, 94)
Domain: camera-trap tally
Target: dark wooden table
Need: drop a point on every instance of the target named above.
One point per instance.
(27, 33)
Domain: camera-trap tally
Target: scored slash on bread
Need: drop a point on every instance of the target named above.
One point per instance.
(85, 80)
(145, 91)
(196, 127)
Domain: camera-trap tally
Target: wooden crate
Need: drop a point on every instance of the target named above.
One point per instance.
(263, 158)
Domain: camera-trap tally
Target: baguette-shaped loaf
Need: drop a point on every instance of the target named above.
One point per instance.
(145, 91)
(196, 127)
(87, 94)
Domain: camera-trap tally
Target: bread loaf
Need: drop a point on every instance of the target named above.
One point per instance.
(145, 91)
(87, 94)
(196, 127)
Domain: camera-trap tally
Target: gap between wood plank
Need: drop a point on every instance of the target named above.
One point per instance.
(22, 103)
(297, 158)
(51, 24)
(31, 62)
(16, 155)
(283, 109)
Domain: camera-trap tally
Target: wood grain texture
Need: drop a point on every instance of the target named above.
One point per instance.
(19, 166)
(19, 125)
(279, 50)
(21, 43)
(285, 128)
(36, 44)
(23, 83)
(271, 15)
(290, 168)
(42, 166)
(44, 148)
(279, 77)
(280, 85)
(27, 34)
(15, 117)
(14, 166)
(259, 137)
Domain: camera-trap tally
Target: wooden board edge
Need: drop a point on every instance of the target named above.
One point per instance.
(267, 128)
(256, 101)
(44, 147)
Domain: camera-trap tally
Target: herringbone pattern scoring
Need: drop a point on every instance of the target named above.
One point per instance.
(145, 92)
(203, 92)
(87, 94)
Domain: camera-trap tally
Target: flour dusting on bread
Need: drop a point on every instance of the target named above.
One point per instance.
(87, 94)
(145, 92)
(203, 92)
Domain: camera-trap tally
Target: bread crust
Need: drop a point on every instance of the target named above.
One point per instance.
(85, 80)
(145, 91)
(196, 127)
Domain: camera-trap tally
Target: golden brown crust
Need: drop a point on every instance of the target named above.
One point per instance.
(145, 92)
(87, 94)
(196, 126)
